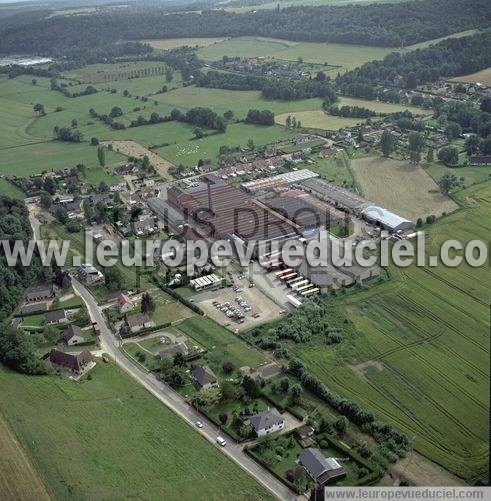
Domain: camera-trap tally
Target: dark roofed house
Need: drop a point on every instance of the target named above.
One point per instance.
(41, 293)
(267, 422)
(480, 161)
(16, 322)
(204, 377)
(269, 371)
(139, 321)
(305, 435)
(55, 317)
(29, 309)
(320, 468)
(72, 335)
(143, 227)
(74, 363)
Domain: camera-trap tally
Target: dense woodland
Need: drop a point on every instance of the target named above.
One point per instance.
(452, 57)
(16, 349)
(389, 25)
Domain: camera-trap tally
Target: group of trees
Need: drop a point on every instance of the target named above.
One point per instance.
(349, 111)
(202, 117)
(271, 88)
(67, 134)
(94, 36)
(64, 89)
(260, 117)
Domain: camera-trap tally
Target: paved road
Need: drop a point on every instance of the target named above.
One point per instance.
(110, 344)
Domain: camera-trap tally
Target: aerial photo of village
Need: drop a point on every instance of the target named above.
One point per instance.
(244, 249)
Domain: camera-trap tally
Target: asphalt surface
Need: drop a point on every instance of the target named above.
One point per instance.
(110, 345)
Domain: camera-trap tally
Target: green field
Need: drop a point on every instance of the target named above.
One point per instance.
(189, 152)
(470, 175)
(334, 169)
(240, 101)
(108, 438)
(221, 341)
(379, 107)
(421, 355)
(343, 55)
(318, 119)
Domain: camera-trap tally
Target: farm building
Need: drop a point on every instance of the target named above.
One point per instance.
(386, 219)
(338, 197)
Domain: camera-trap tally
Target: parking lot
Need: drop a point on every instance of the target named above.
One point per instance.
(238, 307)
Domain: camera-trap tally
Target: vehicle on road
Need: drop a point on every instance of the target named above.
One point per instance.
(221, 441)
(199, 424)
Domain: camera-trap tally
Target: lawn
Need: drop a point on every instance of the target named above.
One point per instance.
(342, 55)
(420, 355)
(380, 107)
(221, 341)
(10, 190)
(109, 438)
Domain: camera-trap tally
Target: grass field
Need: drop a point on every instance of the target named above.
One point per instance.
(173, 43)
(18, 478)
(400, 187)
(189, 152)
(483, 76)
(221, 341)
(334, 169)
(466, 175)
(420, 356)
(240, 102)
(108, 438)
(292, 3)
(10, 190)
(343, 55)
(318, 119)
(379, 107)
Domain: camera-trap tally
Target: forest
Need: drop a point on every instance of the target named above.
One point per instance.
(388, 25)
(452, 57)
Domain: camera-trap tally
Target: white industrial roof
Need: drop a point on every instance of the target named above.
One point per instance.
(383, 216)
(288, 177)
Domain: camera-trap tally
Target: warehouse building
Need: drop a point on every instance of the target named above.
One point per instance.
(334, 195)
(386, 219)
(279, 181)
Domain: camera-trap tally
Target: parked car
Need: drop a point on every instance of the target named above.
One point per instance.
(221, 441)
(199, 424)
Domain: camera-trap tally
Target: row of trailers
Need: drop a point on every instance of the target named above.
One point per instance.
(297, 283)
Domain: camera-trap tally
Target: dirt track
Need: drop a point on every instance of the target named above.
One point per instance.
(134, 149)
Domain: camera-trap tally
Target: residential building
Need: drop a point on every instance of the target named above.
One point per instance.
(71, 336)
(204, 377)
(76, 364)
(29, 309)
(266, 422)
(321, 469)
(123, 303)
(138, 322)
(88, 274)
(41, 293)
(55, 317)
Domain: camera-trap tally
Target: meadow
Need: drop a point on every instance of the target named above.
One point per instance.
(318, 119)
(420, 353)
(18, 478)
(78, 437)
(483, 76)
(466, 175)
(174, 43)
(344, 56)
(401, 187)
(190, 152)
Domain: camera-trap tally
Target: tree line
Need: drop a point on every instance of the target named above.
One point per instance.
(84, 38)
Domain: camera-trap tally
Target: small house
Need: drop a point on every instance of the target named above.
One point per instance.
(123, 303)
(203, 377)
(266, 422)
(77, 364)
(55, 317)
(321, 470)
(138, 322)
(71, 336)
